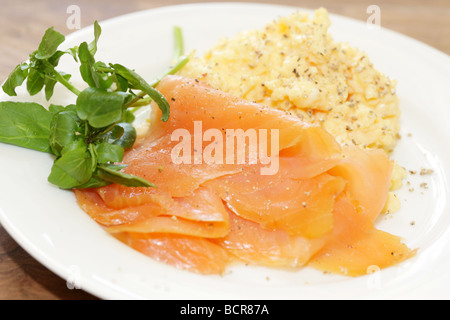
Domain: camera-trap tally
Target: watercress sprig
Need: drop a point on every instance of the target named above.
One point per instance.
(88, 138)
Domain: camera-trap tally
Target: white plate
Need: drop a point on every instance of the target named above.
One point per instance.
(48, 223)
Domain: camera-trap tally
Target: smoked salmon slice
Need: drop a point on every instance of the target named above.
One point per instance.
(356, 247)
(202, 214)
(184, 252)
(298, 207)
(250, 242)
(317, 208)
(93, 204)
(367, 174)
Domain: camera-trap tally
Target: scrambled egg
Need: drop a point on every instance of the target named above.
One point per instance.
(293, 64)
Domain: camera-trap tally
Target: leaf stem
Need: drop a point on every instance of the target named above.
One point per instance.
(138, 97)
(104, 69)
(139, 100)
(178, 43)
(65, 83)
(172, 70)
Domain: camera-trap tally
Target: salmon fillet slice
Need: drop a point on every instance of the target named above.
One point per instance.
(184, 252)
(253, 244)
(201, 214)
(356, 247)
(368, 175)
(298, 207)
(318, 205)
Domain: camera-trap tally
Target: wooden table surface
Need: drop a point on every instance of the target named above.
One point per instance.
(23, 22)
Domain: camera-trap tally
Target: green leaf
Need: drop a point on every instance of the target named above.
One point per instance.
(15, 79)
(77, 144)
(71, 107)
(111, 135)
(64, 129)
(72, 169)
(97, 33)
(109, 153)
(122, 83)
(25, 124)
(54, 108)
(94, 182)
(94, 157)
(100, 108)
(73, 52)
(111, 175)
(49, 44)
(139, 83)
(116, 166)
(49, 87)
(122, 134)
(128, 116)
(105, 80)
(35, 82)
(127, 139)
(54, 59)
(87, 66)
